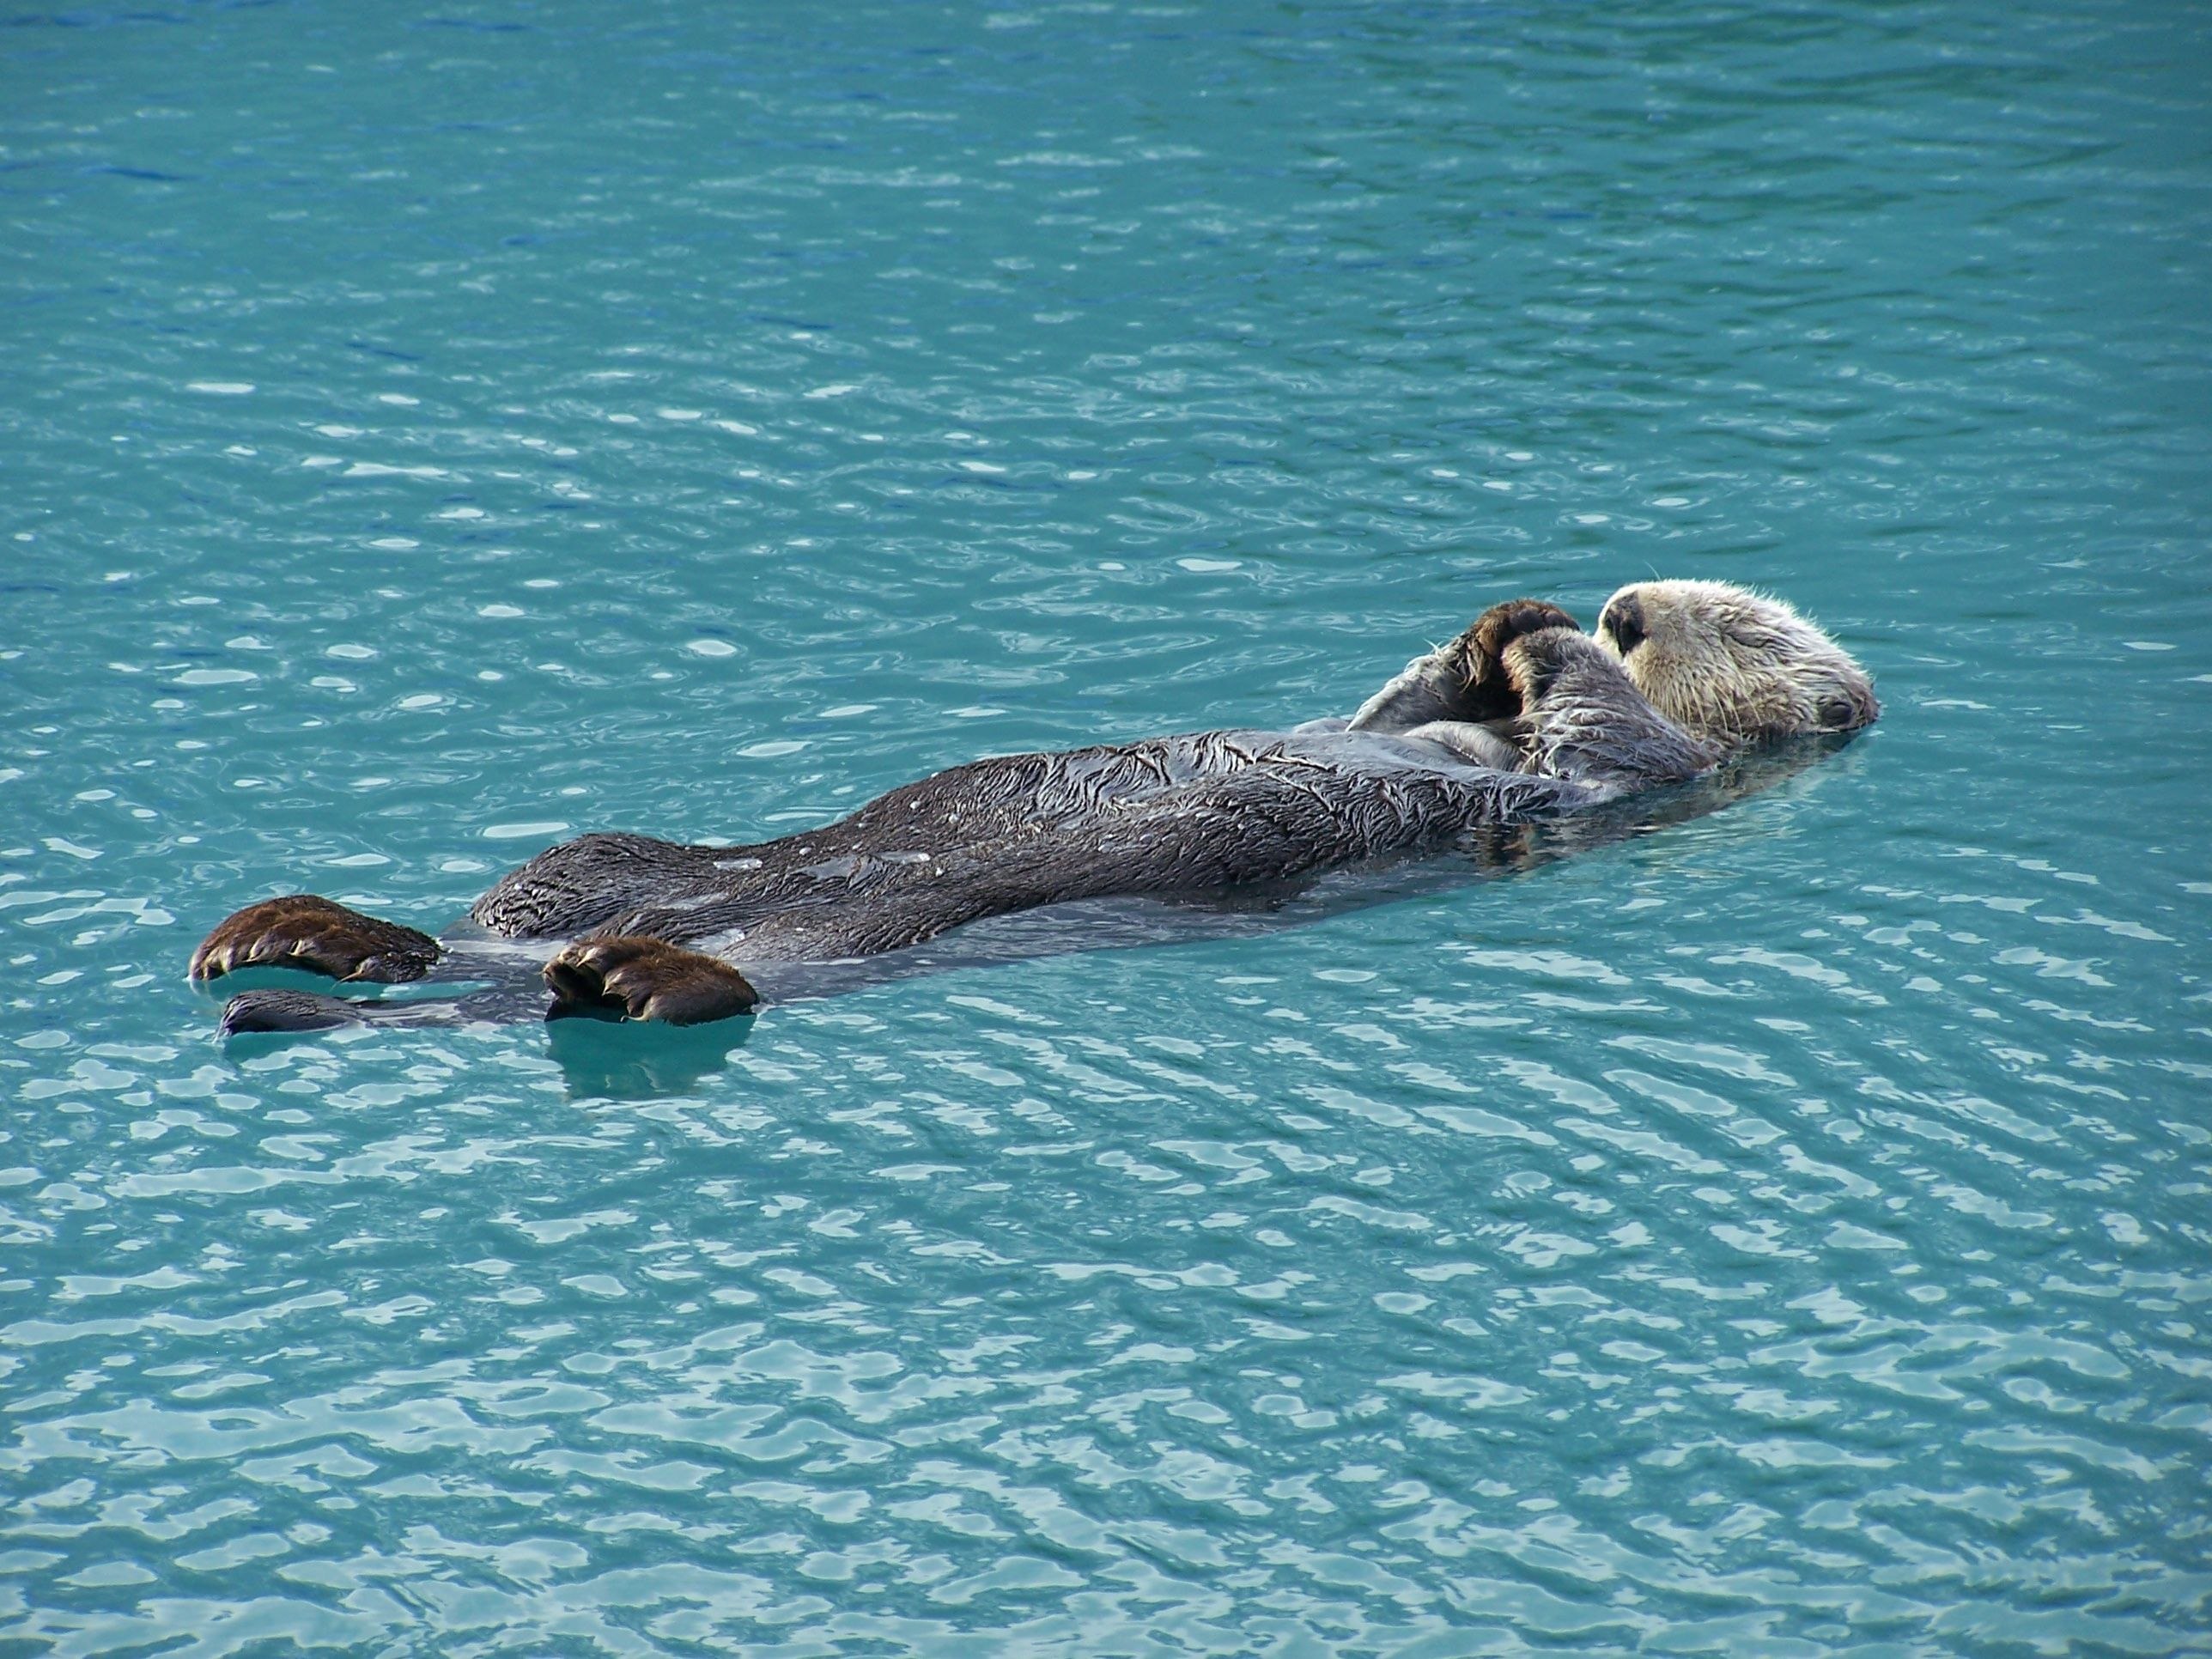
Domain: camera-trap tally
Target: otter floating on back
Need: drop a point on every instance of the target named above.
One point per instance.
(1521, 719)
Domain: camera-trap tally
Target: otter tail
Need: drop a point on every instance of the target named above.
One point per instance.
(255, 1012)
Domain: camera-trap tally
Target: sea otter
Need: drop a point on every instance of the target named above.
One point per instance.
(1520, 719)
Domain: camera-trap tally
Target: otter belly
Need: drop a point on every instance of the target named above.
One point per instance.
(1289, 813)
(1182, 813)
(581, 884)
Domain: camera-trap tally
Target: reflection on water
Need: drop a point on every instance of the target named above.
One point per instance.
(1780, 1232)
(626, 1061)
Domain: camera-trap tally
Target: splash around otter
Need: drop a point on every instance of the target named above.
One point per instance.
(1523, 720)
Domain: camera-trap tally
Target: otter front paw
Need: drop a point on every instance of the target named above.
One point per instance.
(633, 978)
(317, 937)
(1531, 663)
(1490, 681)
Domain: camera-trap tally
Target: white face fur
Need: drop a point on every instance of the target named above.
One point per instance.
(1734, 665)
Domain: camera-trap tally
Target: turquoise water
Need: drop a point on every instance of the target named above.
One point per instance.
(431, 434)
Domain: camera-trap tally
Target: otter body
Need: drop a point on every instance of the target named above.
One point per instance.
(1521, 719)
(1163, 816)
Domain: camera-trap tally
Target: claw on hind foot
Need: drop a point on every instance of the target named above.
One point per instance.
(318, 937)
(647, 979)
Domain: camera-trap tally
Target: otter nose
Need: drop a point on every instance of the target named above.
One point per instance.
(1624, 620)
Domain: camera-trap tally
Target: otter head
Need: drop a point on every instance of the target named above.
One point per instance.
(1734, 665)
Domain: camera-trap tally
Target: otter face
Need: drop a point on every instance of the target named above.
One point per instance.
(1731, 664)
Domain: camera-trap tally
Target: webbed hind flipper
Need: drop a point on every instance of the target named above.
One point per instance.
(635, 978)
(318, 937)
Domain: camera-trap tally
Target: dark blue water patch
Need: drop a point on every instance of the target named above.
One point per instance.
(473, 25)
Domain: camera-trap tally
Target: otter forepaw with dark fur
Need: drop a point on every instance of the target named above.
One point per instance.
(1532, 660)
(1582, 718)
(317, 937)
(1495, 694)
(634, 978)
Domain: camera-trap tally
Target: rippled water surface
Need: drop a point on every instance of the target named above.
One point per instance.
(434, 433)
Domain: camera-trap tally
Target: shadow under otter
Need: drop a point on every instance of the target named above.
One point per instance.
(1519, 742)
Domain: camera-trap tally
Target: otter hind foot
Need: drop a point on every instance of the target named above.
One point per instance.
(318, 937)
(634, 978)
